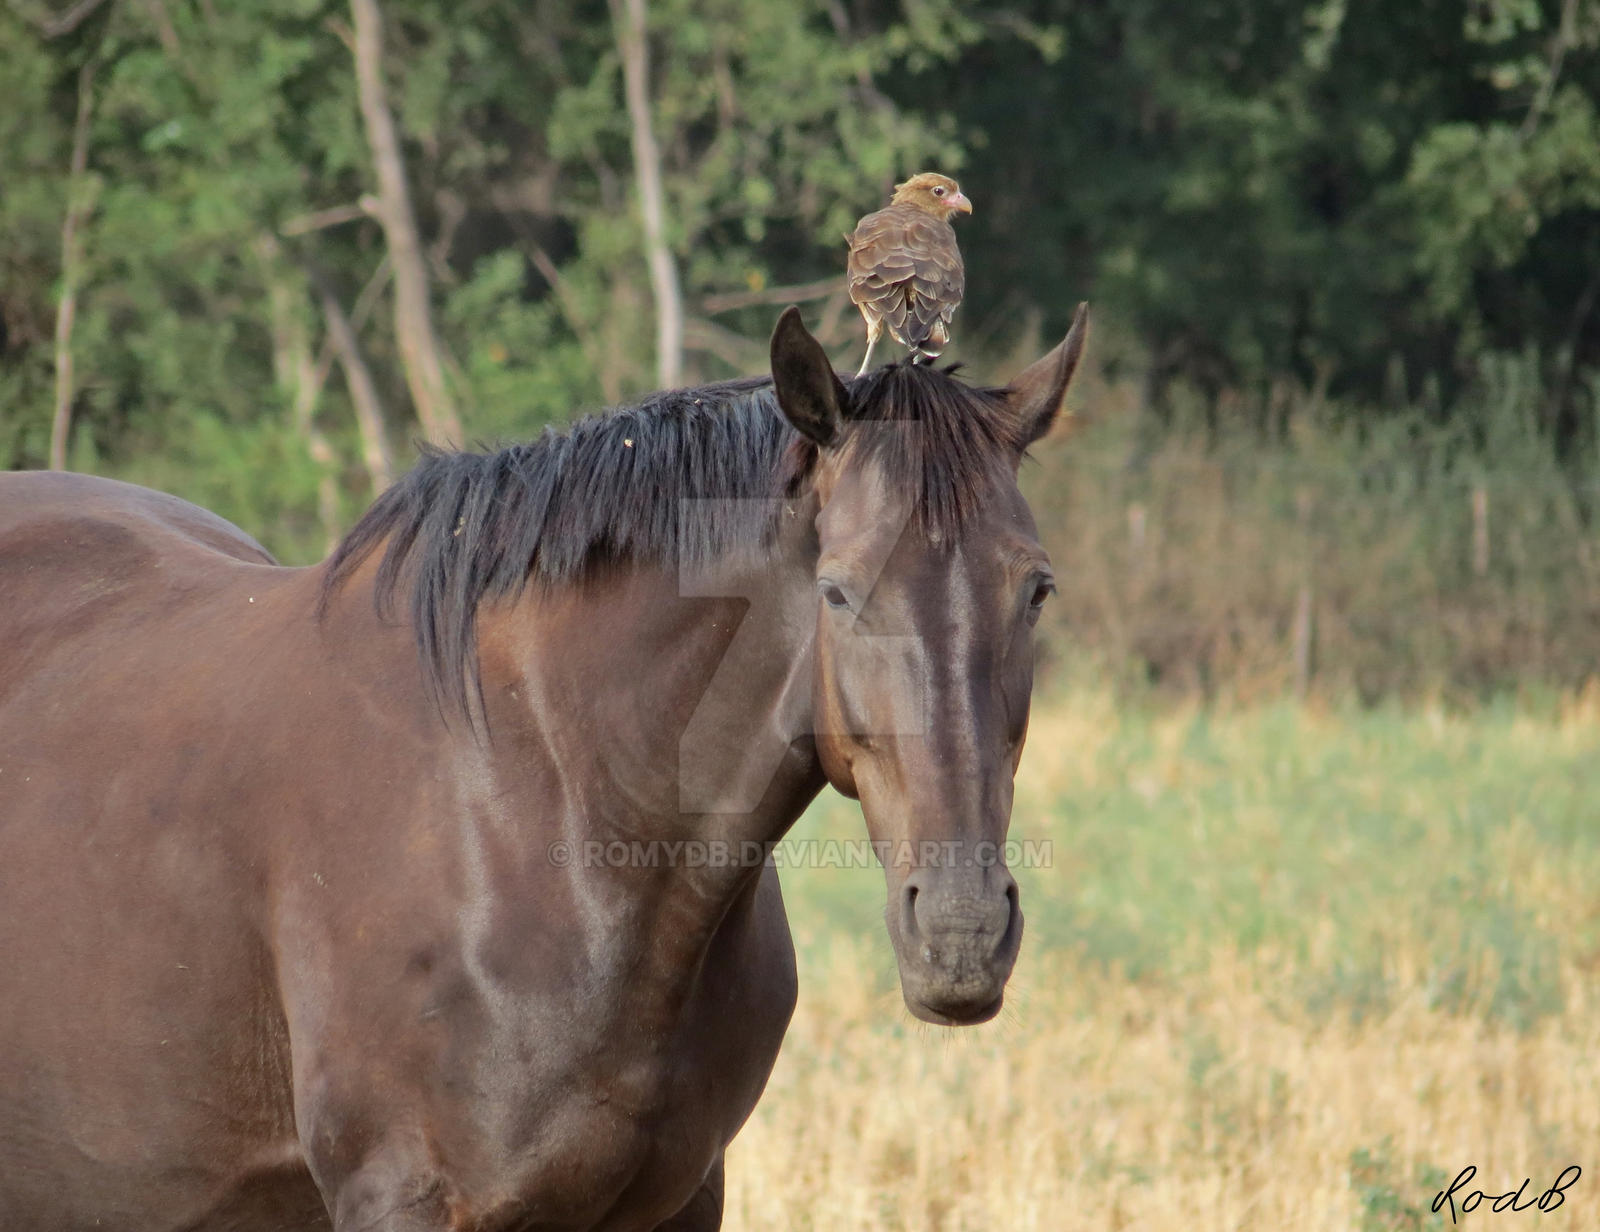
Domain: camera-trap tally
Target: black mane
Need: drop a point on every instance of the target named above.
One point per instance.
(644, 484)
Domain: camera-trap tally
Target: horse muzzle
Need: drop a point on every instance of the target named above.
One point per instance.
(956, 935)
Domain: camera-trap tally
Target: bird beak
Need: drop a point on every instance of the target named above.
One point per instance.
(960, 204)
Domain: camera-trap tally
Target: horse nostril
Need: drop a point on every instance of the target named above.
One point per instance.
(908, 912)
(1012, 936)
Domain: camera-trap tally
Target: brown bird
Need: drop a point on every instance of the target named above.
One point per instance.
(905, 269)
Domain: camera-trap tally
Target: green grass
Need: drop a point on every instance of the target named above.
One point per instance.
(1363, 852)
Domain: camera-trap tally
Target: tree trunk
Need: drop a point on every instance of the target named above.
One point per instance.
(363, 389)
(628, 18)
(71, 270)
(297, 375)
(420, 349)
(344, 346)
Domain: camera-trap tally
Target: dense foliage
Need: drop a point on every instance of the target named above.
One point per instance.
(1341, 209)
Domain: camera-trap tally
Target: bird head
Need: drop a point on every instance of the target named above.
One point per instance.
(934, 194)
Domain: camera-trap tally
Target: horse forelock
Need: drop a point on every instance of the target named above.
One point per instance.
(678, 480)
(940, 443)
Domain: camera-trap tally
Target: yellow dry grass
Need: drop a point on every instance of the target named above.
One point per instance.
(1097, 1103)
(1210, 1095)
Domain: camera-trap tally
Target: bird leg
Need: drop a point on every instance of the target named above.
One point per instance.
(866, 362)
(874, 329)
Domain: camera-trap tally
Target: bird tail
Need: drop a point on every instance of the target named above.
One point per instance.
(931, 347)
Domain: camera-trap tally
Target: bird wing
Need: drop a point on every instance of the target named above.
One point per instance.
(905, 269)
(879, 268)
(939, 282)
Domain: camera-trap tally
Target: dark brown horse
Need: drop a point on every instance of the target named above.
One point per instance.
(301, 929)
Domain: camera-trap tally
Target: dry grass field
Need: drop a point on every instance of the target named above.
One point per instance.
(1285, 969)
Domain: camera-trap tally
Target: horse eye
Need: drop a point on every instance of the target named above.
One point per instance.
(1041, 592)
(834, 597)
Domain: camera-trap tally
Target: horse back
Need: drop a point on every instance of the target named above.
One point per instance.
(75, 550)
(51, 511)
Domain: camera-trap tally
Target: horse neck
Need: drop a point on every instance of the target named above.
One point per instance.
(676, 709)
(657, 736)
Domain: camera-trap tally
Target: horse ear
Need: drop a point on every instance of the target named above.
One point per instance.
(810, 393)
(1035, 396)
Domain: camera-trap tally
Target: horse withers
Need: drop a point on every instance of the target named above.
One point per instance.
(353, 896)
